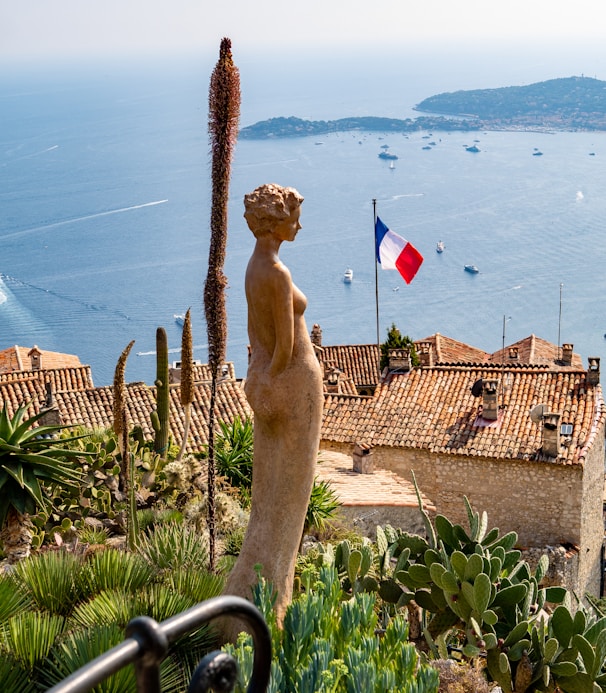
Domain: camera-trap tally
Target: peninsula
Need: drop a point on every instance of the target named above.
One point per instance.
(571, 103)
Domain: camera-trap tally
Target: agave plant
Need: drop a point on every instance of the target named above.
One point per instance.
(32, 464)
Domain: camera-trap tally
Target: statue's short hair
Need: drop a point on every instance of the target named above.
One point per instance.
(268, 204)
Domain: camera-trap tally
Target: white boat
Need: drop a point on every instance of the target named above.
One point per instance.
(472, 269)
(348, 276)
(179, 319)
(440, 247)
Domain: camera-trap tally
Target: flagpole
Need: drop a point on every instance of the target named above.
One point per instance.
(560, 323)
(374, 234)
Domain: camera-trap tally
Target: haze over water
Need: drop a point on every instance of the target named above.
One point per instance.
(104, 190)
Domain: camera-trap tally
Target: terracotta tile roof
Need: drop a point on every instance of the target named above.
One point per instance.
(203, 373)
(21, 387)
(433, 409)
(447, 350)
(359, 361)
(535, 350)
(94, 408)
(17, 358)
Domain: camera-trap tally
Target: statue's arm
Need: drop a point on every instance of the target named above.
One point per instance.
(284, 323)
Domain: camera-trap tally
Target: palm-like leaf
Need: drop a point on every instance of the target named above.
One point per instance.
(196, 583)
(13, 600)
(173, 545)
(29, 636)
(323, 504)
(14, 677)
(79, 648)
(82, 646)
(234, 452)
(52, 580)
(117, 570)
(110, 606)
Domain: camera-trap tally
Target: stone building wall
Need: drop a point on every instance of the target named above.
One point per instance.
(365, 520)
(592, 518)
(541, 502)
(545, 503)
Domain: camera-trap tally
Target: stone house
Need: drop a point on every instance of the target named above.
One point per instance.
(520, 432)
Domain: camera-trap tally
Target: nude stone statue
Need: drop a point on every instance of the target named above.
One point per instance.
(284, 388)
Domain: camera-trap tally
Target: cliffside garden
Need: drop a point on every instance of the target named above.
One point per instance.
(454, 610)
(98, 527)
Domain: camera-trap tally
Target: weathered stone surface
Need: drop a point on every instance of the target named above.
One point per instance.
(284, 389)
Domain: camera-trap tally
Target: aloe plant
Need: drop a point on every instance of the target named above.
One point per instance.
(32, 464)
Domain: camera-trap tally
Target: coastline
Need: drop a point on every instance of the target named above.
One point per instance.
(293, 127)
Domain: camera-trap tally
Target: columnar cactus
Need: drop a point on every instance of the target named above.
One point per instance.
(161, 419)
(187, 378)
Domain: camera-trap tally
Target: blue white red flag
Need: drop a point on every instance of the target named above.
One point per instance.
(395, 252)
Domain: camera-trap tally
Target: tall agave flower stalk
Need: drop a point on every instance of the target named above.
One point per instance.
(127, 466)
(224, 114)
(187, 379)
(119, 411)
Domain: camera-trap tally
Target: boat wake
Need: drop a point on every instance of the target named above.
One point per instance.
(176, 350)
(89, 306)
(64, 222)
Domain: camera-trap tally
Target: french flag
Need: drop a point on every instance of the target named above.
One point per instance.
(395, 252)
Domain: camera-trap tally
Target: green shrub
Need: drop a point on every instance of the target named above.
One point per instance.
(330, 645)
(53, 580)
(322, 507)
(170, 546)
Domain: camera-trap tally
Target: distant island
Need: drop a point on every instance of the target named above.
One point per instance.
(571, 103)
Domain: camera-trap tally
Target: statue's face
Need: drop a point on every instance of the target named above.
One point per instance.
(286, 229)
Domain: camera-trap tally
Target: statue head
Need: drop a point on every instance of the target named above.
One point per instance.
(268, 204)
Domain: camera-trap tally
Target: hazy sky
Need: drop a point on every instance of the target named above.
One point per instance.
(49, 29)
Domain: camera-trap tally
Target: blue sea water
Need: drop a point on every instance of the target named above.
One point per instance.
(104, 228)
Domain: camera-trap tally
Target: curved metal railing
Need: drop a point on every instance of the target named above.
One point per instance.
(147, 644)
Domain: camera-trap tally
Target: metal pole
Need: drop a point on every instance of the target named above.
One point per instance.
(560, 323)
(374, 233)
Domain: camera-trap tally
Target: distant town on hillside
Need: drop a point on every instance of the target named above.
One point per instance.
(571, 103)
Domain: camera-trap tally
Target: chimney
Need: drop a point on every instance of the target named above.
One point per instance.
(425, 352)
(174, 373)
(490, 399)
(551, 434)
(362, 458)
(567, 354)
(332, 383)
(35, 356)
(399, 360)
(593, 370)
(514, 353)
(49, 413)
(316, 335)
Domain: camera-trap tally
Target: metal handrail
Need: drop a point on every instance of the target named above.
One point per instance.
(147, 645)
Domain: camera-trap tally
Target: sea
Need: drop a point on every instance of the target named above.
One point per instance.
(105, 209)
